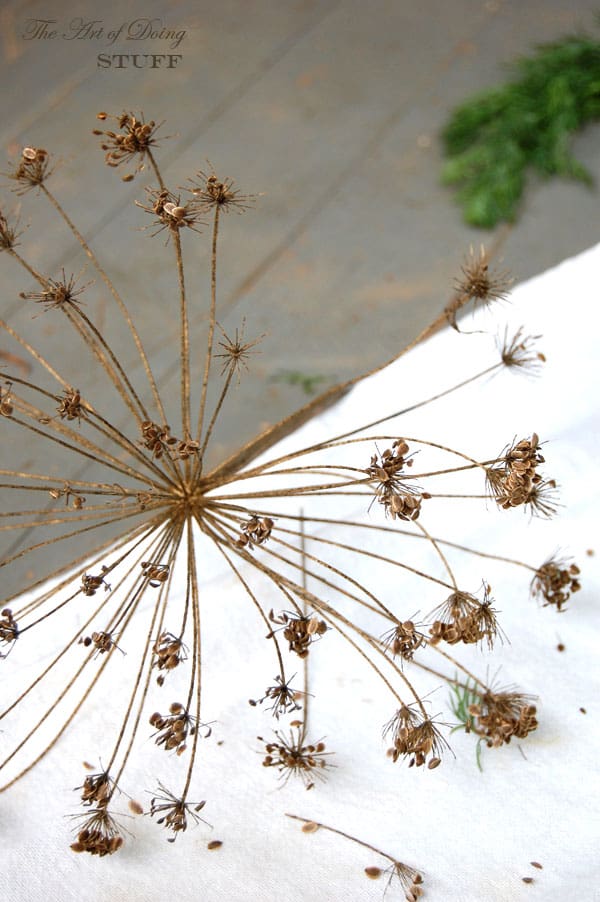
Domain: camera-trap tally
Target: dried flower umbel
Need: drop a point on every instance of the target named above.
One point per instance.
(293, 756)
(152, 487)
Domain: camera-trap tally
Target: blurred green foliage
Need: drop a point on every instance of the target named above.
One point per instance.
(494, 138)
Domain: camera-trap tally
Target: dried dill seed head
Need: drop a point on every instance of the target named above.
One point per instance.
(463, 618)
(542, 500)
(69, 495)
(169, 653)
(90, 583)
(284, 698)
(57, 294)
(519, 352)
(97, 789)
(295, 758)
(186, 449)
(155, 573)
(414, 737)
(555, 581)
(512, 481)
(209, 191)
(477, 283)
(403, 640)
(31, 170)
(99, 835)
(173, 729)
(70, 406)
(501, 715)
(236, 351)
(299, 630)
(6, 404)
(135, 140)
(409, 878)
(9, 234)
(174, 812)
(9, 631)
(102, 641)
(157, 439)
(398, 498)
(254, 531)
(169, 212)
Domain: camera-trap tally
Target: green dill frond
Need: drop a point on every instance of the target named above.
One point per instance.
(496, 137)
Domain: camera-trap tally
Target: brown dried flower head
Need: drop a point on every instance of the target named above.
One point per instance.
(254, 531)
(399, 498)
(519, 352)
(155, 573)
(555, 581)
(169, 653)
(97, 789)
(299, 630)
(209, 191)
(173, 729)
(9, 630)
(58, 294)
(174, 812)
(169, 212)
(404, 640)
(91, 583)
(32, 169)
(501, 715)
(512, 481)
(9, 233)
(99, 836)
(70, 406)
(477, 283)
(415, 737)
(294, 757)
(135, 139)
(6, 403)
(157, 439)
(284, 698)
(463, 618)
(102, 641)
(236, 352)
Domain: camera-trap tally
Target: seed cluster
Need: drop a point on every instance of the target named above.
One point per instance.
(70, 406)
(8, 234)
(463, 618)
(254, 531)
(100, 835)
(284, 698)
(90, 583)
(174, 812)
(156, 574)
(169, 652)
(500, 716)
(404, 640)
(300, 631)
(9, 630)
(57, 293)
(415, 738)
(136, 137)
(102, 641)
(398, 499)
(173, 729)
(6, 404)
(515, 479)
(294, 758)
(31, 170)
(169, 212)
(555, 581)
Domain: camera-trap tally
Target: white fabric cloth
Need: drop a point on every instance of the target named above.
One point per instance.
(472, 834)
